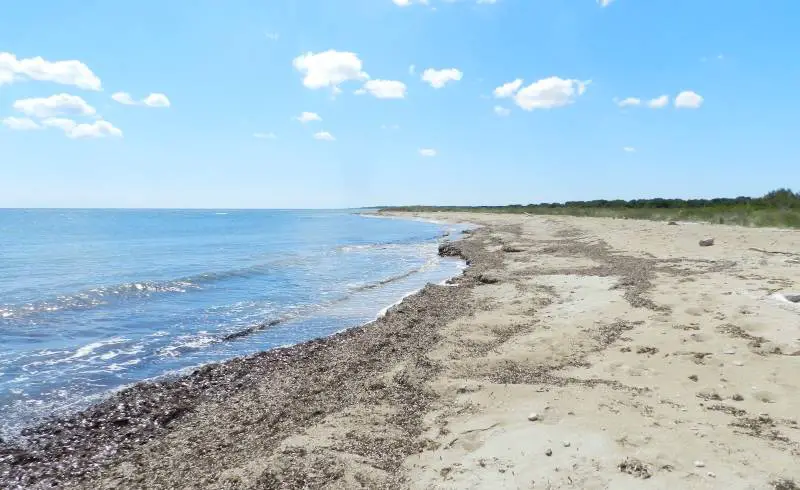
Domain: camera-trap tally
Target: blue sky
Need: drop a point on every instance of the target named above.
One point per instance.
(202, 79)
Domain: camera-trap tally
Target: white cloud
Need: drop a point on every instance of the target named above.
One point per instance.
(156, 100)
(549, 93)
(428, 152)
(61, 123)
(152, 100)
(412, 70)
(308, 117)
(629, 101)
(55, 105)
(604, 3)
(69, 72)
(658, 102)
(324, 136)
(272, 36)
(384, 89)
(688, 100)
(265, 136)
(629, 149)
(96, 129)
(501, 111)
(440, 78)
(329, 68)
(20, 124)
(508, 89)
(402, 3)
(390, 126)
(124, 98)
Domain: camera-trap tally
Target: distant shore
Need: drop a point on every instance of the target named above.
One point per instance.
(572, 353)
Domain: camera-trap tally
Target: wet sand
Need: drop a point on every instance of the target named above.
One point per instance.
(572, 353)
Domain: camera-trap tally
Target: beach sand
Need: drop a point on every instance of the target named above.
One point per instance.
(572, 353)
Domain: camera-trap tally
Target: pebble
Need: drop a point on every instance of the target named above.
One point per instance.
(711, 474)
(533, 417)
(730, 352)
(699, 464)
(549, 452)
(566, 443)
(738, 363)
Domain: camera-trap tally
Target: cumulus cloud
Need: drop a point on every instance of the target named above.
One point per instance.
(68, 72)
(329, 68)
(629, 149)
(308, 117)
(550, 93)
(265, 136)
(123, 98)
(658, 102)
(629, 101)
(688, 100)
(604, 3)
(152, 100)
(55, 105)
(384, 89)
(324, 136)
(20, 124)
(440, 78)
(427, 152)
(508, 89)
(74, 130)
(406, 3)
(501, 111)
(156, 100)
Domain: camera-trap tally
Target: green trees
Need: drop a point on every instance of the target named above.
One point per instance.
(780, 207)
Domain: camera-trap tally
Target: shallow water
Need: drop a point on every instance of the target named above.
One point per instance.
(92, 300)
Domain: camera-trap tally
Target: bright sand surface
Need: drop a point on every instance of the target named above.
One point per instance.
(694, 378)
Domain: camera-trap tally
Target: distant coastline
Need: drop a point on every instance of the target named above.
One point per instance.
(778, 208)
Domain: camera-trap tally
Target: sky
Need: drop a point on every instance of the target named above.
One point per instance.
(347, 103)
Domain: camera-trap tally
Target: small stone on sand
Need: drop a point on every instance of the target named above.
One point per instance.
(566, 443)
(699, 464)
(533, 417)
(548, 452)
(711, 474)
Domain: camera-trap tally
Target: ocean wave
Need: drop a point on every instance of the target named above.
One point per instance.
(100, 296)
(384, 282)
(353, 289)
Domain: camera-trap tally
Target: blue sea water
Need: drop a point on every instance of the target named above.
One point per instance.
(92, 300)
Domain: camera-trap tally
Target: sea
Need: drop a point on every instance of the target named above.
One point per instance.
(94, 300)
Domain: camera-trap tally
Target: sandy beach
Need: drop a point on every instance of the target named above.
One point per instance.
(572, 353)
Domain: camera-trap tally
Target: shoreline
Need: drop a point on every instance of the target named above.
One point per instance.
(65, 450)
(571, 353)
(433, 268)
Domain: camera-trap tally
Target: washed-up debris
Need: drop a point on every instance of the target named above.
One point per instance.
(635, 467)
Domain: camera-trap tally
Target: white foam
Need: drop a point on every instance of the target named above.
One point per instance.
(90, 348)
